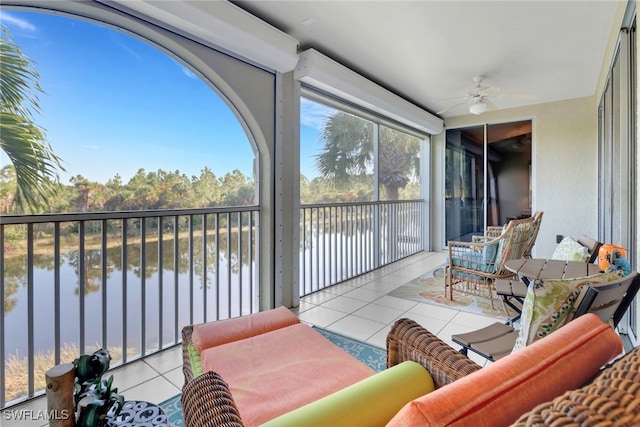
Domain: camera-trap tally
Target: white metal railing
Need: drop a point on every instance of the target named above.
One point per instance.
(126, 281)
(129, 281)
(342, 240)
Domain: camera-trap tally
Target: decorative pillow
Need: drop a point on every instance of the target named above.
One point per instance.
(489, 253)
(570, 250)
(549, 304)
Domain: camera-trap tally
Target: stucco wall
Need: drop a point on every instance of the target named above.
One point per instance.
(564, 167)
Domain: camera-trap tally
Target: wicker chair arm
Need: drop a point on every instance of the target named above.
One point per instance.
(493, 230)
(207, 401)
(407, 340)
(474, 245)
(480, 239)
(612, 399)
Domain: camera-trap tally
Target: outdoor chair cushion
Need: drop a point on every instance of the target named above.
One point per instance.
(480, 261)
(549, 304)
(273, 373)
(501, 392)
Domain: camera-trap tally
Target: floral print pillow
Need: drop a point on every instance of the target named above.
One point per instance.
(550, 304)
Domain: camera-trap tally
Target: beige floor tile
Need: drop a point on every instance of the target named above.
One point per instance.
(397, 303)
(379, 313)
(431, 324)
(357, 327)
(385, 284)
(341, 288)
(321, 316)
(175, 377)
(474, 321)
(302, 307)
(345, 304)
(437, 312)
(380, 338)
(165, 360)
(319, 297)
(155, 390)
(367, 295)
(128, 376)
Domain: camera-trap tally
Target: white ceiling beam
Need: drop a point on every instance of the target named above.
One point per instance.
(323, 73)
(221, 24)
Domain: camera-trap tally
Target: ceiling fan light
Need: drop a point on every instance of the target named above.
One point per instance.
(478, 108)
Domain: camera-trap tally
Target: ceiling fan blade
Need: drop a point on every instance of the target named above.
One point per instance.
(529, 96)
(490, 105)
(452, 107)
(455, 98)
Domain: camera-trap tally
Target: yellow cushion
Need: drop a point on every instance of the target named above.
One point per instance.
(370, 402)
(194, 359)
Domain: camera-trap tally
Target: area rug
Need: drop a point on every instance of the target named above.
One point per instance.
(371, 355)
(429, 288)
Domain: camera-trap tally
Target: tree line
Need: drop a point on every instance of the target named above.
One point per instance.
(175, 190)
(144, 191)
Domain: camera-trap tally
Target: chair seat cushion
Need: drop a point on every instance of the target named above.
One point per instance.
(501, 392)
(274, 373)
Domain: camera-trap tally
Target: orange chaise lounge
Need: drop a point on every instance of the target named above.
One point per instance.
(270, 369)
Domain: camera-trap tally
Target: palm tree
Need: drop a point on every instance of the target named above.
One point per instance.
(23, 141)
(348, 148)
(348, 154)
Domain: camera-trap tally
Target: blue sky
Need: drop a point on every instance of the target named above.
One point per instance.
(114, 104)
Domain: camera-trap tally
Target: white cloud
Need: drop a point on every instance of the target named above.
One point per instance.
(313, 114)
(11, 21)
(188, 73)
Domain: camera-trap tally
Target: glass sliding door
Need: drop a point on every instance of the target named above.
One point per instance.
(487, 177)
(464, 183)
(617, 156)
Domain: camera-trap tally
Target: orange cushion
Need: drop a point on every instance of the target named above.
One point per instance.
(274, 373)
(499, 393)
(224, 331)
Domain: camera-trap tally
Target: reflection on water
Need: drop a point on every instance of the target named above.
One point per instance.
(152, 291)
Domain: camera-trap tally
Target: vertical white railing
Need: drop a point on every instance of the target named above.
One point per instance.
(125, 281)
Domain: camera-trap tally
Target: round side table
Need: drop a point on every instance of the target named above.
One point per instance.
(140, 414)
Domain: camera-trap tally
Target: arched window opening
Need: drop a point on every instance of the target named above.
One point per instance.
(153, 221)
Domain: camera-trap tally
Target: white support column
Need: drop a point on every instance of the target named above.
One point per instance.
(287, 190)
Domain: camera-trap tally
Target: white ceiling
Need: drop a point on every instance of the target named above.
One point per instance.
(425, 51)
(429, 51)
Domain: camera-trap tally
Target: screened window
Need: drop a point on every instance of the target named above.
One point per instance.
(349, 158)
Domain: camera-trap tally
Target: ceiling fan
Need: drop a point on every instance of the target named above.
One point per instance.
(478, 98)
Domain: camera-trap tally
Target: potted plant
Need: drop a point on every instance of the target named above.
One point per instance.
(95, 399)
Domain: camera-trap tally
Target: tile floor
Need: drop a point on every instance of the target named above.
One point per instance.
(359, 308)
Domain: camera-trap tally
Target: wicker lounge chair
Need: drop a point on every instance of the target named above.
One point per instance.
(208, 401)
(608, 300)
(494, 231)
(474, 266)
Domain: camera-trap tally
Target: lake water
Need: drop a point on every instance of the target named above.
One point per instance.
(222, 297)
